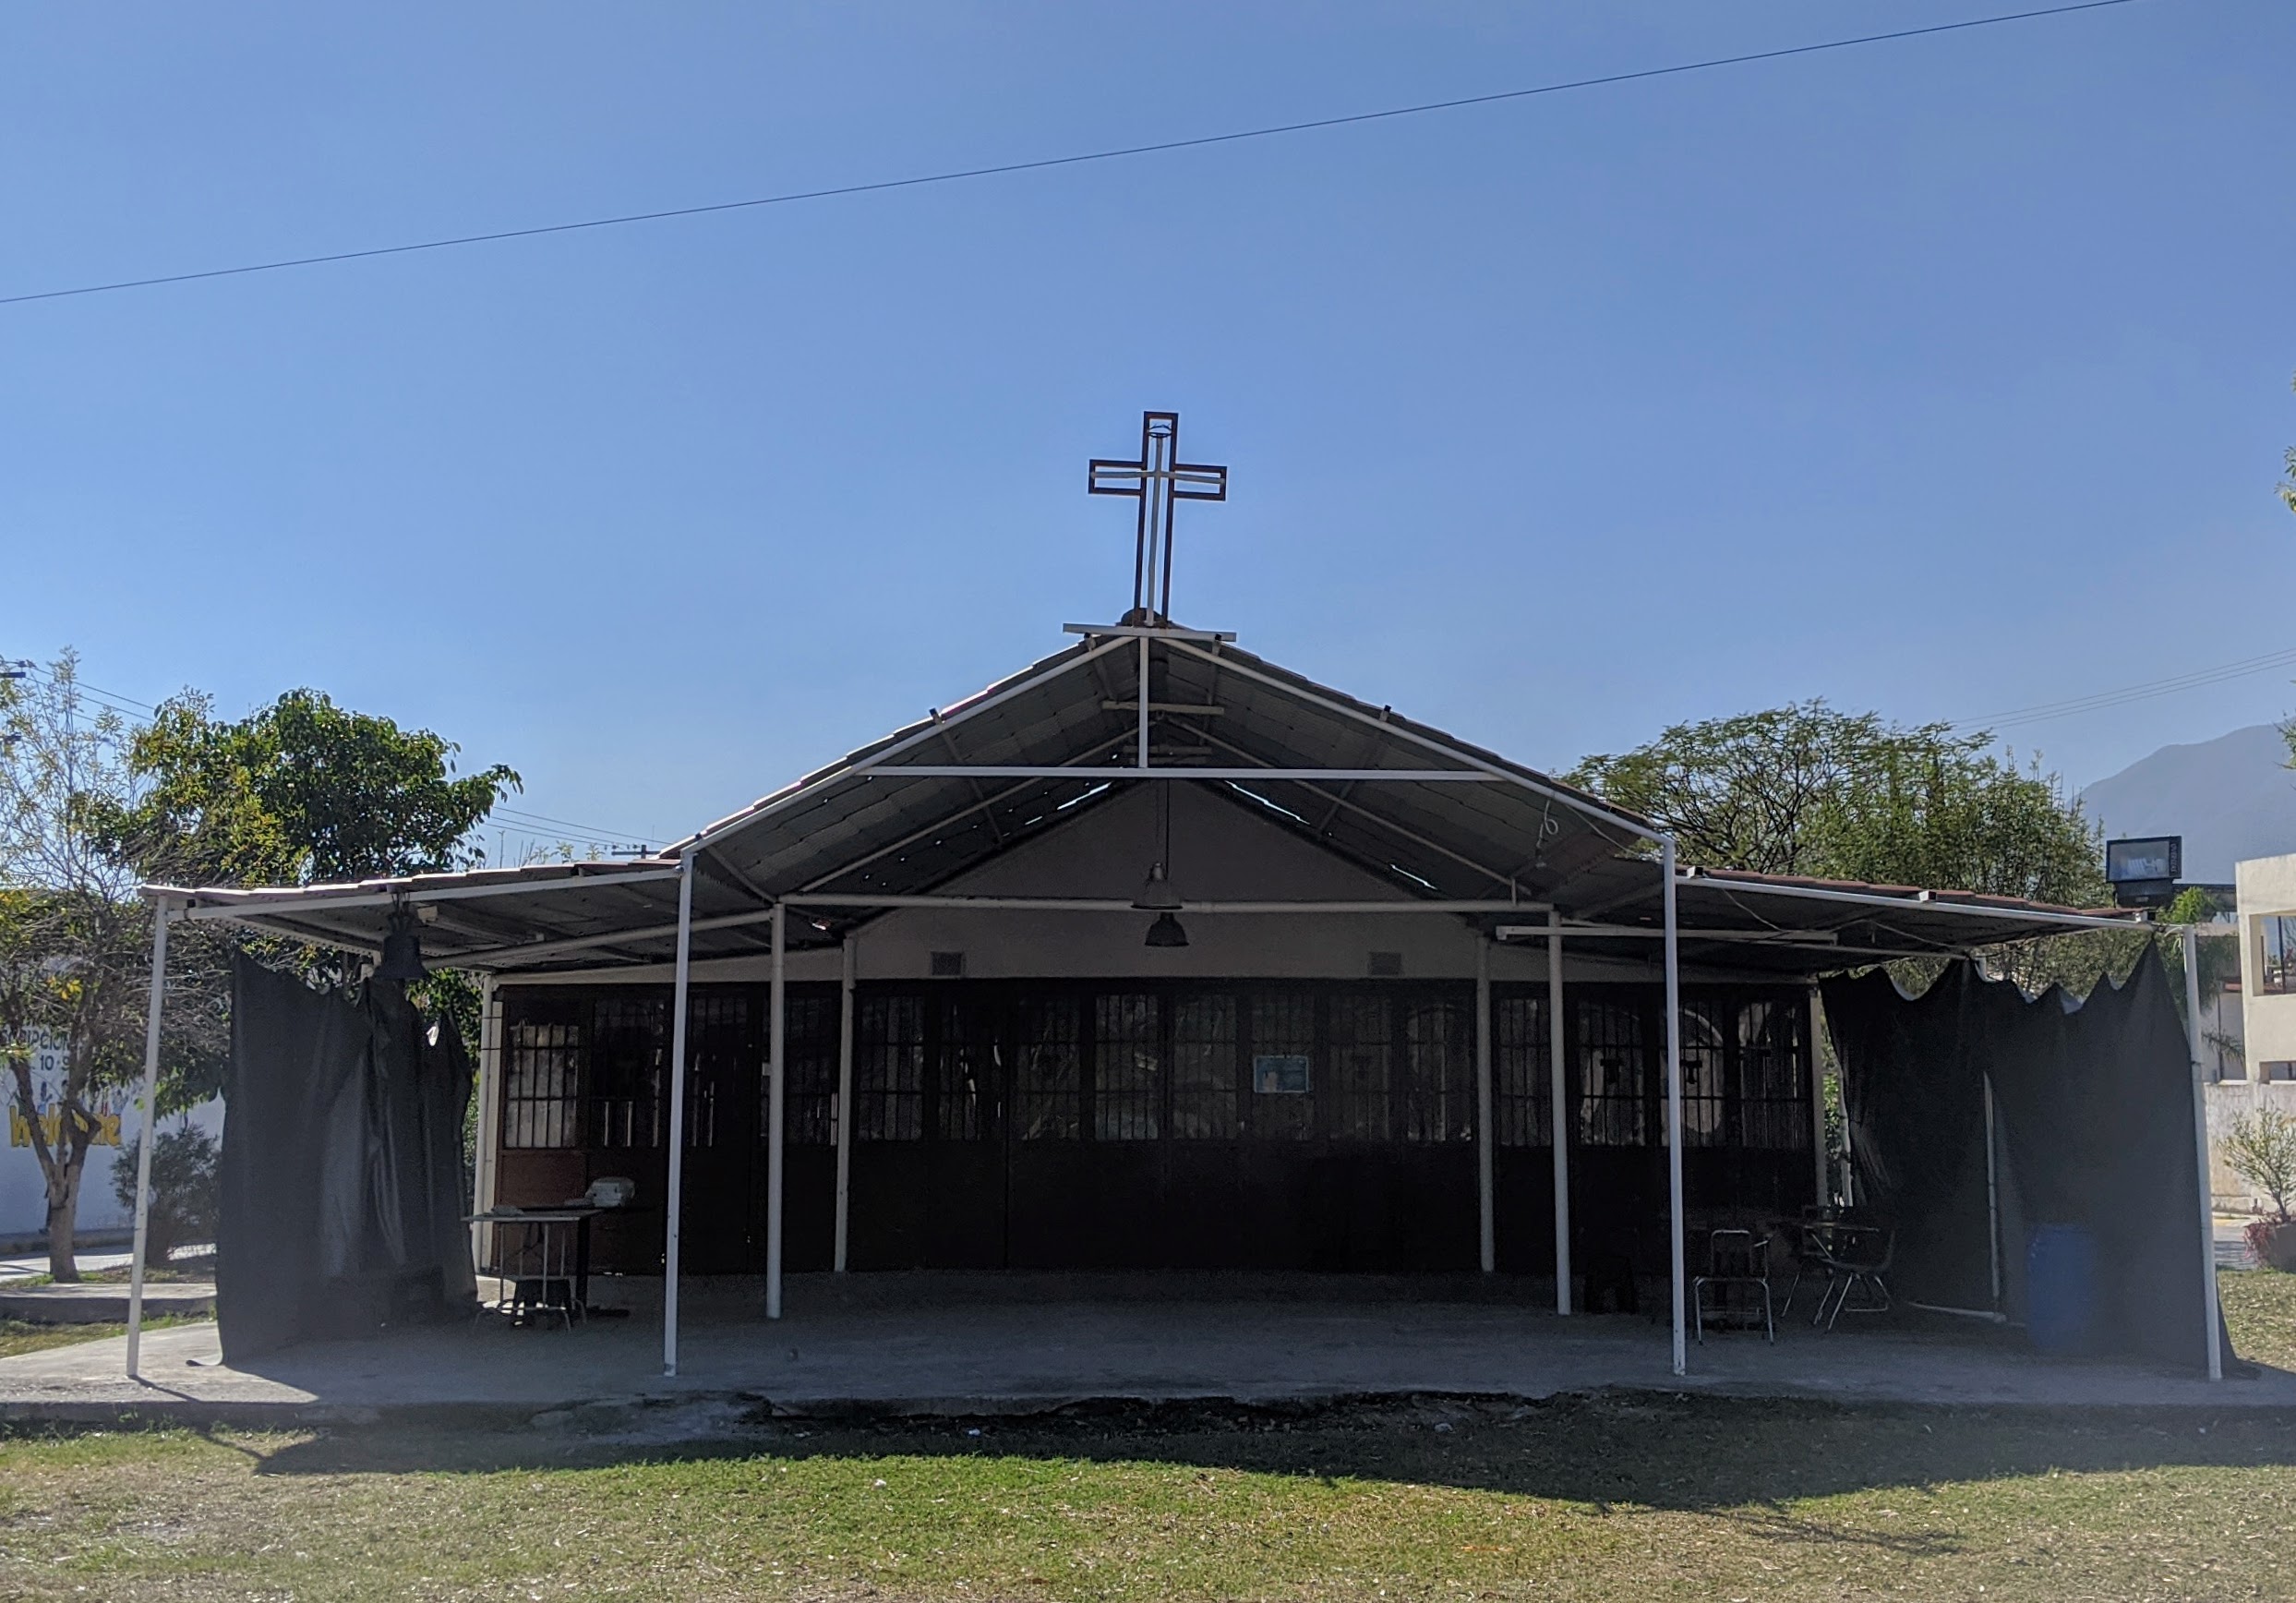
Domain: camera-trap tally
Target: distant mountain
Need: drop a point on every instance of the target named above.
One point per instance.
(2231, 798)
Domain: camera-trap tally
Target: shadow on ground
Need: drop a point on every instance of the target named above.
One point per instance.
(1667, 1452)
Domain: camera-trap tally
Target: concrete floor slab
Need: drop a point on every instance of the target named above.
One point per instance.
(893, 1344)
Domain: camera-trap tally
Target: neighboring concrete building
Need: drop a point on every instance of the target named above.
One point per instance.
(2263, 1073)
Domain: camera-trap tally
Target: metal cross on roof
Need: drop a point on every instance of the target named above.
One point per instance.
(1158, 481)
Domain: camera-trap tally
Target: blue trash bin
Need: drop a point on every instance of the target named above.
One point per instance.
(2060, 1290)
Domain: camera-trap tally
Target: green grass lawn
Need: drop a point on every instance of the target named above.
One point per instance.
(26, 1336)
(2260, 1314)
(1626, 1498)
(1609, 1498)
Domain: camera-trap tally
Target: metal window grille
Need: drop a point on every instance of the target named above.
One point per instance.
(1772, 1078)
(808, 1028)
(1706, 1044)
(1203, 1068)
(962, 1060)
(541, 1070)
(1521, 1082)
(1438, 1072)
(1127, 1066)
(1284, 1025)
(1362, 1054)
(1615, 1075)
(722, 1050)
(889, 1069)
(629, 1050)
(1048, 1069)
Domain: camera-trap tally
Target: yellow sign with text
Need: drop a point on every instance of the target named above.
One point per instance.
(52, 1127)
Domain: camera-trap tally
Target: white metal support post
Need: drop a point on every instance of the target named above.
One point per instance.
(161, 912)
(672, 1203)
(1142, 757)
(1823, 1193)
(2191, 944)
(776, 1031)
(1559, 1110)
(1993, 1194)
(845, 1101)
(1486, 1221)
(1673, 1112)
(489, 1094)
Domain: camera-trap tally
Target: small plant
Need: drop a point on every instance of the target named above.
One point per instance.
(2261, 1147)
(182, 1190)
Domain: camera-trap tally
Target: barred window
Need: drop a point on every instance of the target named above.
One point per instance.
(1127, 1066)
(1614, 1074)
(889, 1069)
(1706, 1042)
(1048, 1069)
(541, 1070)
(629, 1050)
(1283, 1041)
(962, 1056)
(1773, 1078)
(1203, 1068)
(1438, 1072)
(1522, 1077)
(1362, 1058)
(723, 1052)
(808, 1028)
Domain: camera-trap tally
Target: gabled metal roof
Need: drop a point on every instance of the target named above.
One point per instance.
(892, 819)
(1441, 820)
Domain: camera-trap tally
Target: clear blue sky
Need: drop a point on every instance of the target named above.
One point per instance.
(1939, 376)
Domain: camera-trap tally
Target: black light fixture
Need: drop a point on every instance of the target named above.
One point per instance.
(1156, 893)
(401, 948)
(1167, 932)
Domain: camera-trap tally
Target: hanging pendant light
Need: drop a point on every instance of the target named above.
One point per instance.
(1156, 893)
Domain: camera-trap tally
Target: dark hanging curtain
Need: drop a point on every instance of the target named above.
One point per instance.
(342, 1181)
(2093, 1107)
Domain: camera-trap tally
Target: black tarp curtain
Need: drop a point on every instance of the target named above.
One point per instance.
(340, 1179)
(2093, 1127)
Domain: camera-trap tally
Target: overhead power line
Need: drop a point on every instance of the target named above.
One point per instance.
(523, 822)
(2193, 679)
(1041, 163)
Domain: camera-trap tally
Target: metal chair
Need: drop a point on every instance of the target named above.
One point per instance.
(1733, 1257)
(1810, 1234)
(1856, 1256)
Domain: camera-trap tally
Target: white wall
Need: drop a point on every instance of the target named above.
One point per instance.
(23, 1195)
(2267, 886)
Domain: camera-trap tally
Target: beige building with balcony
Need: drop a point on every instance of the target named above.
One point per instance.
(2263, 1072)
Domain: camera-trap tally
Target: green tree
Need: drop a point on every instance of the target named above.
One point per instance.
(74, 938)
(303, 792)
(2261, 1147)
(2288, 484)
(1811, 790)
(1807, 790)
(1755, 791)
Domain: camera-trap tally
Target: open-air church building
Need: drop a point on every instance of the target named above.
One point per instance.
(1157, 955)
